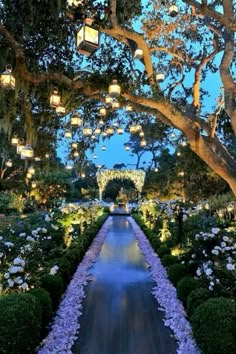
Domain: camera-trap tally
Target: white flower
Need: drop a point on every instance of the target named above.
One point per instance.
(54, 227)
(7, 275)
(29, 238)
(208, 271)
(216, 252)
(198, 272)
(15, 269)
(225, 238)
(212, 283)
(223, 244)
(185, 217)
(9, 244)
(210, 288)
(47, 218)
(24, 286)
(34, 232)
(1, 238)
(54, 270)
(22, 234)
(193, 256)
(1, 254)
(44, 231)
(215, 230)
(19, 261)
(70, 228)
(18, 280)
(230, 266)
(10, 283)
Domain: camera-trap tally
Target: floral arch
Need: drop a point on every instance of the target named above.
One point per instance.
(104, 176)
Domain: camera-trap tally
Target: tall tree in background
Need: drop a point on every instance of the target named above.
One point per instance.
(190, 49)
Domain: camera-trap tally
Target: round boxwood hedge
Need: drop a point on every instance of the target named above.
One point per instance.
(45, 302)
(176, 272)
(54, 285)
(167, 260)
(20, 323)
(196, 298)
(214, 326)
(185, 286)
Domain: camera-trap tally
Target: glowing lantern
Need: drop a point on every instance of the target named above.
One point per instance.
(132, 129)
(27, 152)
(104, 148)
(31, 170)
(141, 134)
(68, 134)
(28, 175)
(74, 145)
(9, 163)
(127, 147)
(110, 131)
(102, 111)
(115, 104)
(82, 175)
(120, 130)
(138, 54)
(173, 10)
(143, 143)
(33, 185)
(104, 134)
(55, 99)
(114, 89)
(101, 122)
(7, 80)
(95, 156)
(76, 154)
(108, 101)
(160, 77)
(128, 108)
(155, 169)
(47, 156)
(97, 131)
(37, 159)
(178, 153)
(14, 140)
(60, 111)
(87, 131)
(181, 174)
(184, 143)
(87, 40)
(76, 120)
(19, 148)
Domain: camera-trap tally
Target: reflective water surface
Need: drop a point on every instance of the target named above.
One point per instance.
(120, 314)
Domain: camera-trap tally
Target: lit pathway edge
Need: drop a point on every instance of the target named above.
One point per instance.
(65, 327)
(165, 294)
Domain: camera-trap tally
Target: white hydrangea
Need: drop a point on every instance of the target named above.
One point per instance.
(47, 218)
(208, 271)
(24, 286)
(10, 283)
(54, 270)
(44, 231)
(215, 230)
(19, 261)
(230, 266)
(22, 234)
(15, 269)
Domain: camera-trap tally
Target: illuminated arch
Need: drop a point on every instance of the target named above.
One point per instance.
(104, 176)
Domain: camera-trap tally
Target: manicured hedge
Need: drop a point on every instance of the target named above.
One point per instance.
(176, 272)
(185, 286)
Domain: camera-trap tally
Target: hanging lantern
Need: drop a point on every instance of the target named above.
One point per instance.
(143, 143)
(138, 54)
(87, 39)
(55, 99)
(95, 156)
(83, 175)
(74, 145)
(110, 131)
(9, 163)
(37, 159)
(27, 152)
(76, 154)
(28, 175)
(114, 89)
(14, 140)
(33, 185)
(97, 131)
(104, 134)
(19, 148)
(132, 129)
(47, 156)
(184, 143)
(115, 124)
(68, 134)
(156, 169)
(99, 166)
(141, 134)
(173, 10)
(172, 135)
(178, 153)
(31, 170)
(87, 131)
(108, 101)
(101, 122)
(128, 108)
(60, 111)
(120, 130)
(7, 80)
(69, 165)
(181, 174)
(127, 147)
(160, 77)
(104, 148)
(102, 111)
(76, 120)
(115, 104)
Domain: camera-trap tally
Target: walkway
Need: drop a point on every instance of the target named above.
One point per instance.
(120, 314)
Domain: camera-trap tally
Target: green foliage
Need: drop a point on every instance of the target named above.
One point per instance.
(213, 325)
(20, 324)
(163, 250)
(185, 286)
(196, 298)
(168, 260)
(176, 272)
(45, 302)
(54, 285)
(10, 201)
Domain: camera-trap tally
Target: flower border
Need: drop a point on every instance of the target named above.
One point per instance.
(165, 294)
(65, 328)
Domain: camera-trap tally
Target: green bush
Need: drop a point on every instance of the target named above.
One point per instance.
(54, 285)
(167, 260)
(20, 324)
(213, 325)
(45, 302)
(185, 286)
(196, 298)
(163, 250)
(176, 272)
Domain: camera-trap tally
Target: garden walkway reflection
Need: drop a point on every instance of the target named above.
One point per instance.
(120, 314)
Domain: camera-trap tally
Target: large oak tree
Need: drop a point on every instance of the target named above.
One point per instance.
(193, 48)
